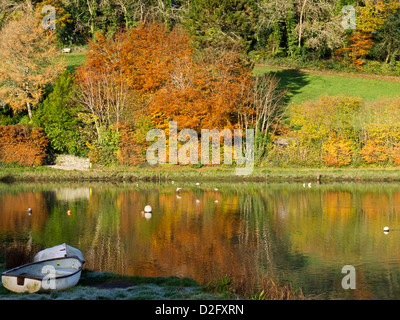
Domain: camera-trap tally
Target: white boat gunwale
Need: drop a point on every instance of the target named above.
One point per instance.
(39, 277)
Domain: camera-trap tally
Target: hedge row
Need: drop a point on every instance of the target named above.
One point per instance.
(22, 145)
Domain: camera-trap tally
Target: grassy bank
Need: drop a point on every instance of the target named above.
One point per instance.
(110, 286)
(11, 174)
(308, 85)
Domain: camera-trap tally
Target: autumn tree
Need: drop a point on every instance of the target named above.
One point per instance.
(263, 110)
(104, 92)
(156, 70)
(370, 18)
(204, 92)
(28, 61)
(151, 54)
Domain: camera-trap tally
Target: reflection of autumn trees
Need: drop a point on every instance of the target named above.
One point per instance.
(17, 228)
(13, 211)
(185, 237)
(287, 231)
(101, 238)
(251, 232)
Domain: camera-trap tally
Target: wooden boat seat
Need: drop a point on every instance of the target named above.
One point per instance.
(21, 277)
(31, 275)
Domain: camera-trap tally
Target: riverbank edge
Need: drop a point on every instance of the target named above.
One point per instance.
(204, 174)
(95, 285)
(111, 286)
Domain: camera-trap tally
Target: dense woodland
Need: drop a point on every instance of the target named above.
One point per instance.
(152, 61)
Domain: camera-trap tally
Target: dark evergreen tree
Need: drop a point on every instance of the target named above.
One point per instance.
(58, 116)
(387, 40)
(222, 23)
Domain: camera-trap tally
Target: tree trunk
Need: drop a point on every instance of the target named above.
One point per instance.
(28, 107)
(388, 58)
(91, 17)
(301, 22)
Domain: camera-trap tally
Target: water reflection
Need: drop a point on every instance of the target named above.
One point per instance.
(302, 235)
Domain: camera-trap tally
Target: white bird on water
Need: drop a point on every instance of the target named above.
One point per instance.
(178, 189)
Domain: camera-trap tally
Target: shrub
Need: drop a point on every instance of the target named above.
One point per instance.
(381, 121)
(395, 153)
(105, 149)
(374, 152)
(325, 116)
(22, 145)
(338, 152)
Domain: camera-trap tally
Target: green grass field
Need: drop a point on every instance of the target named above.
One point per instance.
(74, 60)
(306, 86)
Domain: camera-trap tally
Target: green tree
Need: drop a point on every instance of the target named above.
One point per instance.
(387, 46)
(58, 116)
(222, 23)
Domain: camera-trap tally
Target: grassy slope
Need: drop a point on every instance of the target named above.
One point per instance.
(74, 60)
(306, 86)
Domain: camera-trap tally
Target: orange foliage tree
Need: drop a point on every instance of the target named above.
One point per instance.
(197, 91)
(104, 91)
(151, 54)
(360, 44)
(203, 93)
(152, 71)
(338, 152)
(22, 145)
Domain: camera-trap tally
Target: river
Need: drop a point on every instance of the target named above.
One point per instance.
(290, 231)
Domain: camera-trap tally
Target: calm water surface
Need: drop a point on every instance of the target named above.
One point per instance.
(247, 231)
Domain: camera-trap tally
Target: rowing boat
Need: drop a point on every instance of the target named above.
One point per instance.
(43, 276)
(62, 250)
